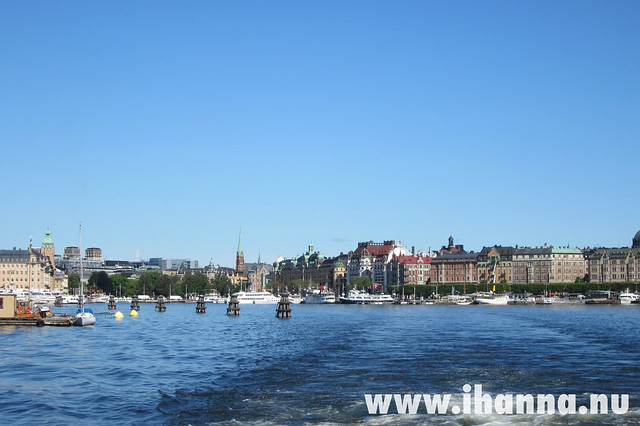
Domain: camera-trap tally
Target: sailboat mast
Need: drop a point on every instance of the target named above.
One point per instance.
(81, 272)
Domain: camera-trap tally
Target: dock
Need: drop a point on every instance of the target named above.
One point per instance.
(56, 320)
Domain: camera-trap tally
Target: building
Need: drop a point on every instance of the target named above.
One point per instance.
(611, 265)
(93, 253)
(455, 268)
(371, 260)
(173, 266)
(313, 266)
(548, 265)
(24, 269)
(495, 265)
(72, 253)
(240, 256)
(48, 249)
(409, 270)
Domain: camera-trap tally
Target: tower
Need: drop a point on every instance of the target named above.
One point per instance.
(240, 256)
(47, 249)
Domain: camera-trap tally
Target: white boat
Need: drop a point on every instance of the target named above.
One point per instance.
(296, 299)
(492, 299)
(256, 298)
(214, 298)
(84, 316)
(456, 299)
(357, 297)
(100, 298)
(628, 298)
(69, 299)
(43, 297)
(318, 297)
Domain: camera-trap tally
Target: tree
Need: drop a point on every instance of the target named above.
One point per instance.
(222, 284)
(73, 281)
(104, 283)
(147, 282)
(119, 282)
(196, 283)
(360, 283)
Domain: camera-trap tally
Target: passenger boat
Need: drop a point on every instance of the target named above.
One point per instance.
(296, 299)
(357, 297)
(256, 298)
(316, 297)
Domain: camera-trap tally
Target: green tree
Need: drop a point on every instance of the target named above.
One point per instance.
(148, 282)
(119, 282)
(360, 283)
(73, 281)
(222, 284)
(196, 283)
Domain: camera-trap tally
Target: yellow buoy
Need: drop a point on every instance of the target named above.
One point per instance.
(133, 313)
(118, 315)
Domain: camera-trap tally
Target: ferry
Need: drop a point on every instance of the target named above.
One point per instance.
(357, 297)
(256, 298)
(317, 297)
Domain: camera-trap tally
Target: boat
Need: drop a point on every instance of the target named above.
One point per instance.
(358, 297)
(256, 298)
(214, 298)
(296, 299)
(456, 299)
(628, 298)
(492, 299)
(84, 316)
(316, 297)
(69, 299)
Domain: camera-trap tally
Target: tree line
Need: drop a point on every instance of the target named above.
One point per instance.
(155, 284)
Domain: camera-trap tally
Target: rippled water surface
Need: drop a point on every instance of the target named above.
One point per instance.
(179, 367)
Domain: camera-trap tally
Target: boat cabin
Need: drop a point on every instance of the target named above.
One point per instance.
(7, 305)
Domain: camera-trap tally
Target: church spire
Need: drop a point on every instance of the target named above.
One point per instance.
(240, 255)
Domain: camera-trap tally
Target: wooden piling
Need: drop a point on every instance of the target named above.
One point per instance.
(284, 307)
(233, 309)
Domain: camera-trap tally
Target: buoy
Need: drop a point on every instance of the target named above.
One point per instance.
(118, 315)
(133, 313)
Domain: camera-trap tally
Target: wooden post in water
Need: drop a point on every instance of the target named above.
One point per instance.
(160, 304)
(200, 308)
(284, 307)
(135, 304)
(233, 309)
(112, 303)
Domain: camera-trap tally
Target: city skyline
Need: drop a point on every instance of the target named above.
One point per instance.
(170, 127)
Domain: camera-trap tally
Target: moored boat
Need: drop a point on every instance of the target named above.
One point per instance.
(316, 297)
(256, 298)
(357, 297)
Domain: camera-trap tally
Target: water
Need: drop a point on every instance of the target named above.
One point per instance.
(179, 367)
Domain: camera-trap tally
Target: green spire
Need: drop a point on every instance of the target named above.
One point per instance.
(240, 242)
(259, 261)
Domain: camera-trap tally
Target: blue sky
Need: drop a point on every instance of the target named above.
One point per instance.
(171, 125)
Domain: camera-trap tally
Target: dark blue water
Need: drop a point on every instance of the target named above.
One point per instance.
(179, 367)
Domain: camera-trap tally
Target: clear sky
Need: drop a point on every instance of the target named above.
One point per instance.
(171, 125)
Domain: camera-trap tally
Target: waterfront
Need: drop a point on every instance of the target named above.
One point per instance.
(179, 367)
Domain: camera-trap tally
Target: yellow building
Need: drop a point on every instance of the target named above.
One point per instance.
(495, 265)
(24, 269)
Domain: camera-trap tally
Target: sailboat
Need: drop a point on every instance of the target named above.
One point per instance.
(84, 316)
